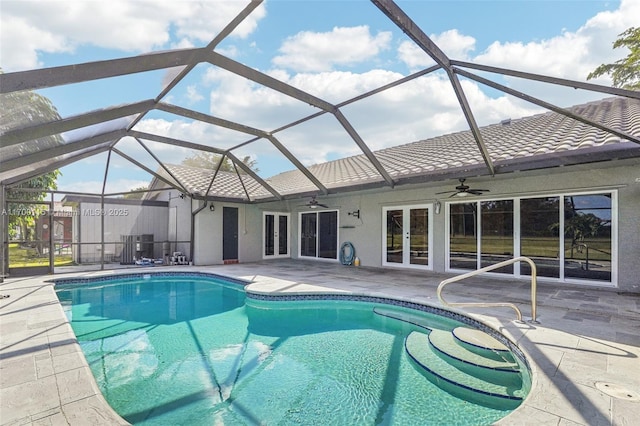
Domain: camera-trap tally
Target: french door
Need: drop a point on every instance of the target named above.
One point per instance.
(275, 236)
(407, 238)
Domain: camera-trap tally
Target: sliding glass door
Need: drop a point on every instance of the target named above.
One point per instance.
(463, 236)
(496, 234)
(406, 237)
(319, 234)
(540, 235)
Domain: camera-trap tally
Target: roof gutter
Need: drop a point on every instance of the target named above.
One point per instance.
(193, 228)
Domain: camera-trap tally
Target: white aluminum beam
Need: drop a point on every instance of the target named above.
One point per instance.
(68, 74)
(24, 134)
(195, 115)
(19, 177)
(552, 80)
(195, 146)
(145, 168)
(62, 150)
(547, 105)
(406, 24)
(270, 82)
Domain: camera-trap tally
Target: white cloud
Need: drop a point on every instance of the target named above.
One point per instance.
(193, 95)
(454, 44)
(424, 108)
(21, 41)
(313, 51)
(571, 55)
(29, 28)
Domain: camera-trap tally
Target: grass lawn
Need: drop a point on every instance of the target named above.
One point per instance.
(24, 257)
(599, 249)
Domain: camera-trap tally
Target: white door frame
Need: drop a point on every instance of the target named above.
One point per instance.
(317, 257)
(276, 236)
(406, 246)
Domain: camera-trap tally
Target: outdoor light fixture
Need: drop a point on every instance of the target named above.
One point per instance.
(182, 195)
(355, 214)
(437, 206)
(212, 207)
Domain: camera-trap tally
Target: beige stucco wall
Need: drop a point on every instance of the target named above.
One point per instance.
(366, 234)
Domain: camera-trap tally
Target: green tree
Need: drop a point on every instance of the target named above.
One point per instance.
(21, 109)
(624, 72)
(209, 160)
(23, 215)
(135, 195)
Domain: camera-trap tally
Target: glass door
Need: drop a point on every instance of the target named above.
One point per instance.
(569, 237)
(496, 234)
(275, 235)
(319, 234)
(407, 237)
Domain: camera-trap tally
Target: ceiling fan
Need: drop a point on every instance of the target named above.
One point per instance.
(314, 204)
(463, 190)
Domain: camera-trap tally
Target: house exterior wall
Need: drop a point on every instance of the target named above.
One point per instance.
(178, 222)
(365, 233)
(119, 219)
(209, 229)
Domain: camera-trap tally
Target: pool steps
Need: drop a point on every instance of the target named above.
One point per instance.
(477, 361)
(465, 362)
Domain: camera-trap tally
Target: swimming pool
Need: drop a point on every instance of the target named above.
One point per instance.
(197, 349)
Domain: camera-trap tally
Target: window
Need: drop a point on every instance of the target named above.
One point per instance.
(532, 227)
(587, 236)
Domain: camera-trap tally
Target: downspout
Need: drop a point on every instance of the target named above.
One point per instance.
(193, 229)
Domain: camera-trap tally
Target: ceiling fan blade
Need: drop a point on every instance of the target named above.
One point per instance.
(446, 192)
(322, 205)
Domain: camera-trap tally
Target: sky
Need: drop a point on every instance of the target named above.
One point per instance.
(334, 50)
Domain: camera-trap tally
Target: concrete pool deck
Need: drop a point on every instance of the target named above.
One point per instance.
(585, 352)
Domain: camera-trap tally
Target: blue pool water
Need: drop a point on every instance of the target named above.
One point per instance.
(189, 350)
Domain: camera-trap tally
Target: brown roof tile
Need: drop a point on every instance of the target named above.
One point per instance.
(525, 138)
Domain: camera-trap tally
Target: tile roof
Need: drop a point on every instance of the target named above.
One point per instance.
(225, 185)
(523, 141)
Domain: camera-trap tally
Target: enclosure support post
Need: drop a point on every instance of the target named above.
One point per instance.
(102, 231)
(50, 222)
(4, 225)
(102, 212)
